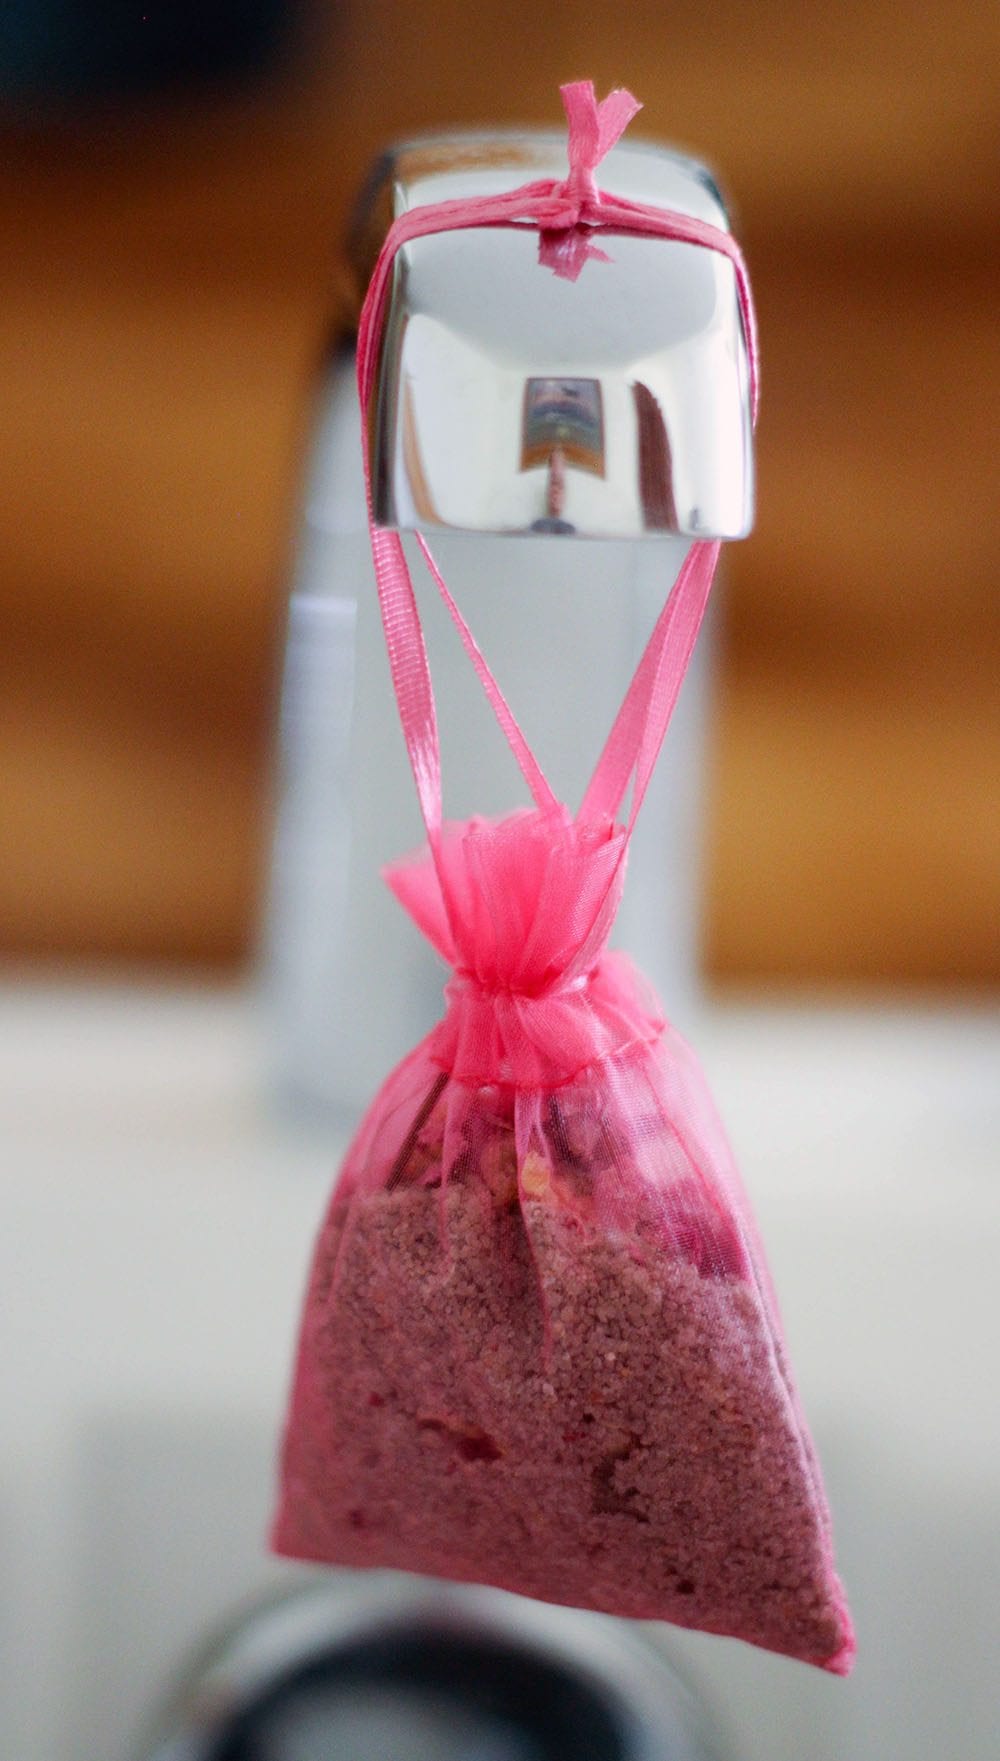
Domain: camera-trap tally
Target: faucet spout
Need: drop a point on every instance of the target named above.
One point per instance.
(615, 403)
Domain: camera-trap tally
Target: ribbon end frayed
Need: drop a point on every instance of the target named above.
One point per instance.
(594, 127)
(578, 94)
(614, 114)
(565, 252)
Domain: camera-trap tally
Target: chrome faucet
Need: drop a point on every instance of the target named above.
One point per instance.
(509, 402)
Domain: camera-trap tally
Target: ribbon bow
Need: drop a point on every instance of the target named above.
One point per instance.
(563, 245)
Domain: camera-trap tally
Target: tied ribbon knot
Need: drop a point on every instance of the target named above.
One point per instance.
(544, 1040)
(563, 244)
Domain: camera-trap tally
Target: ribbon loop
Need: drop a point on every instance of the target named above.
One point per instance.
(555, 209)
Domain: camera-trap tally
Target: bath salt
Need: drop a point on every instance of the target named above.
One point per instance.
(520, 1396)
(539, 1345)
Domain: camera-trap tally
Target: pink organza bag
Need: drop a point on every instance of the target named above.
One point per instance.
(540, 1348)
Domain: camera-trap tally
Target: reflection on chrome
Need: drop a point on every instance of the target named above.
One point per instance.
(566, 414)
(656, 488)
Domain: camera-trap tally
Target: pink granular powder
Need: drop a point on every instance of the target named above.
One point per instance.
(494, 1385)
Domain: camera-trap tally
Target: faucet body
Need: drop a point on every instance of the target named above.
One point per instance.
(509, 402)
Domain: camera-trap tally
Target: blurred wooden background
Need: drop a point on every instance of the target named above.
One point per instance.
(166, 284)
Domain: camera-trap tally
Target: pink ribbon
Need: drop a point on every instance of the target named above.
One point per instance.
(593, 130)
(591, 1007)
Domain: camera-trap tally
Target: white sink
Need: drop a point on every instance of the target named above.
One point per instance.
(157, 1218)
